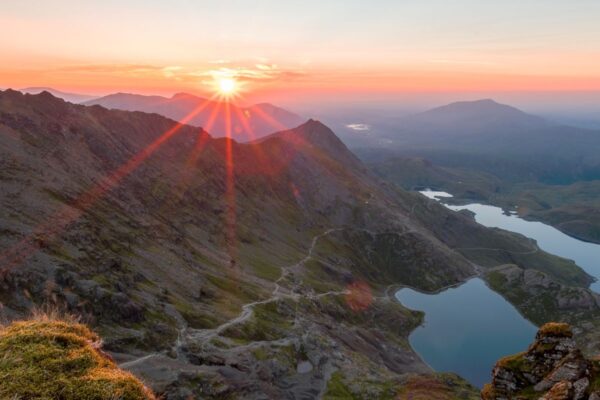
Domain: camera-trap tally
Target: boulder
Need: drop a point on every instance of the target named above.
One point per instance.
(552, 366)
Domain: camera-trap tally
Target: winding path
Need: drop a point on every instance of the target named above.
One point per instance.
(206, 335)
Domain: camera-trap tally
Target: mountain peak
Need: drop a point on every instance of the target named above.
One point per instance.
(315, 134)
(70, 97)
(466, 117)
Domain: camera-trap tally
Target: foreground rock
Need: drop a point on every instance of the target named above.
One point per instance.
(553, 368)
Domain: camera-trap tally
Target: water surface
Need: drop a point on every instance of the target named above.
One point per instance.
(466, 329)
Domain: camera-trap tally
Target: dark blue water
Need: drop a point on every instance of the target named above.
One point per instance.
(467, 329)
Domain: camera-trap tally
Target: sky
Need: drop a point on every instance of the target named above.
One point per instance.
(303, 49)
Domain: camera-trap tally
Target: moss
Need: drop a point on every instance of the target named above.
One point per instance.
(488, 392)
(516, 362)
(51, 359)
(337, 389)
(556, 329)
(496, 279)
(260, 354)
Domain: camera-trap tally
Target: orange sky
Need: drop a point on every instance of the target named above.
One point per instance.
(301, 48)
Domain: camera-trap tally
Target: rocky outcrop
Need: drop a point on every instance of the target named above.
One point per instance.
(553, 368)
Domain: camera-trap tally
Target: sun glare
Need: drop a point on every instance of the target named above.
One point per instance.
(226, 86)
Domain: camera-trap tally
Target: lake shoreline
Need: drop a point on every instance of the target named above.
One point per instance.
(459, 201)
(469, 315)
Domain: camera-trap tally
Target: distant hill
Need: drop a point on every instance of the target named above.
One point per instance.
(494, 138)
(70, 97)
(466, 118)
(247, 123)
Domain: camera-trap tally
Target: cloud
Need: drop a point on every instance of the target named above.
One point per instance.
(249, 73)
(111, 68)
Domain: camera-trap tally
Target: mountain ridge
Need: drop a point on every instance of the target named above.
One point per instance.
(247, 123)
(70, 97)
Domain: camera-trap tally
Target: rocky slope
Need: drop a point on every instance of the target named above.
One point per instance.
(551, 369)
(224, 270)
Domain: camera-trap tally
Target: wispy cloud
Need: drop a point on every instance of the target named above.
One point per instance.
(206, 75)
(111, 68)
(254, 73)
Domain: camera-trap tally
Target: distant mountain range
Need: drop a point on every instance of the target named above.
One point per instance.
(70, 97)
(247, 123)
(493, 138)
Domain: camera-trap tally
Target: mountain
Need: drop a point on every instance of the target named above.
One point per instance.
(247, 123)
(219, 269)
(70, 97)
(496, 139)
(466, 118)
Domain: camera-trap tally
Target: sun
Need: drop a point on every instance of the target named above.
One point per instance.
(227, 86)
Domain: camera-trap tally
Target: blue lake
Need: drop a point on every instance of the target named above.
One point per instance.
(468, 328)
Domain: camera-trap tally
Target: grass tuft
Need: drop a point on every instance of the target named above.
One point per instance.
(49, 358)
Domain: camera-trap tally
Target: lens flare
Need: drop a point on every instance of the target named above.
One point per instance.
(227, 86)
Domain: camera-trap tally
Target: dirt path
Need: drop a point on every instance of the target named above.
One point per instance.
(185, 334)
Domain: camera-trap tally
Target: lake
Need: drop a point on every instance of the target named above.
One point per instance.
(469, 327)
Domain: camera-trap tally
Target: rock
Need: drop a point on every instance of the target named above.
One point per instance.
(580, 387)
(560, 391)
(552, 366)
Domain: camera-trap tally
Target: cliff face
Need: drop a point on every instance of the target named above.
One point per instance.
(553, 368)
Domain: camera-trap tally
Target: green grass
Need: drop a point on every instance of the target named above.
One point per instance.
(337, 389)
(51, 359)
(266, 323)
